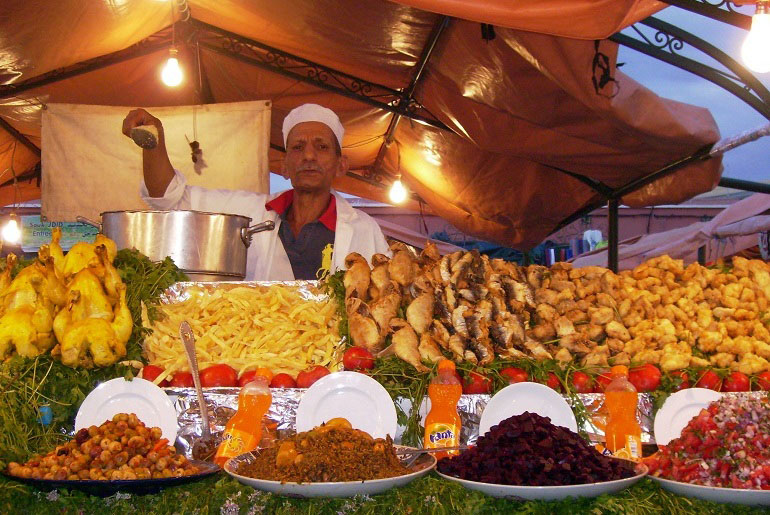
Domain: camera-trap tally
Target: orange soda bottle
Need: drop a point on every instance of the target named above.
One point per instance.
(243, 431)
(442, 425)
(623, 434)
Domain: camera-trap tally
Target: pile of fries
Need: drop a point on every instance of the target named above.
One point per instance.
(246, 327)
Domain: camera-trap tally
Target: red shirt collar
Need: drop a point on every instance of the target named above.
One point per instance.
(282, 202)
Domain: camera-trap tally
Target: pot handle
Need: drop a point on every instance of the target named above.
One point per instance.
(84, 220)
(246, 232)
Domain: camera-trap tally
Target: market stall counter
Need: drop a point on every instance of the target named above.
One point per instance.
(507, 328)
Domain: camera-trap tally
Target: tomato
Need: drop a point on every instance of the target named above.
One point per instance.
(736, 382)
(150, 372)
(283, 381)
(582, 382)
(219, 375)
(182, 379)
(308, 377)
(763, 381)
(247, 377)
(684, 376)
(709, 379)
(357, 358)
(553, 382)
(477, 383)
(514, 375)
(645, 378)
(602, 380)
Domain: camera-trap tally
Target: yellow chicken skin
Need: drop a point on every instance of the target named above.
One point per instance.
(83, 254)
(29, 303)
(96, 341)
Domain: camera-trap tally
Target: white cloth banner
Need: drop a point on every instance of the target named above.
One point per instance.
(89, 166)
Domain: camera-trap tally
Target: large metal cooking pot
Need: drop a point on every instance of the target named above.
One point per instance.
(207, 246)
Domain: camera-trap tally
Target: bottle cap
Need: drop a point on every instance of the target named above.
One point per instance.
(445, 365)
(619, 370)
(266, 373)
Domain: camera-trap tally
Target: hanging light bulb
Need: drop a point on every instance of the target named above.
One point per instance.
(172, 73)
(11, 232)
(398, 192)
(756, 48)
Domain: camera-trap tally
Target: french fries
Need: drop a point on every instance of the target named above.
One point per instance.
(246, 327)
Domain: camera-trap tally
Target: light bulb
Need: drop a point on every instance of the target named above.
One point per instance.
(172, 75)
(11, 232)
(397, 192)
(756, 48)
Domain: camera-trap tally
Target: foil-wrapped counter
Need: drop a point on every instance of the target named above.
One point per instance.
(280, 419)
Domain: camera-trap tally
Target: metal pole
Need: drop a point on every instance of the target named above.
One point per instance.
(702, 255)
(612, 247)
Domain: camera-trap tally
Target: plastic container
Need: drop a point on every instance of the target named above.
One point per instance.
(243, 431)
(442, 425)
(623, 433)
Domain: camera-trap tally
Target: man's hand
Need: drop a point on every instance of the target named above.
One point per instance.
(137, 117)
(156, 166)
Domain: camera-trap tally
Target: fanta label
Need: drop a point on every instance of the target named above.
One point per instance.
(236, 442)
(442, 435)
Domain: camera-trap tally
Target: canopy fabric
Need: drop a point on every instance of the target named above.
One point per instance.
(567, 18)
(519, 107)
(732, 230)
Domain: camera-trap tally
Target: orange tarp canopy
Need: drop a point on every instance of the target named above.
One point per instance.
(510, 115)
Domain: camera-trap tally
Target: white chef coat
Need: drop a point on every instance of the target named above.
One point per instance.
(266, 259)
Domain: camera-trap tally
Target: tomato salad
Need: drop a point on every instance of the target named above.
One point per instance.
(726, 445)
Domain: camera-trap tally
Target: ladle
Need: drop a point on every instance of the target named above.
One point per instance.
(204, 447)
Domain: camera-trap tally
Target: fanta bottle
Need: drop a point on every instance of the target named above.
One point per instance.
(623, 434)
(442, 425)
(243, 431)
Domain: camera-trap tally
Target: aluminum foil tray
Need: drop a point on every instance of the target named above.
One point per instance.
(222, 403)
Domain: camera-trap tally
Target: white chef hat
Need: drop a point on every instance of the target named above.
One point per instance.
(313, 113)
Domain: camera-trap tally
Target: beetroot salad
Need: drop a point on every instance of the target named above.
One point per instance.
(726, 445)
(528, 450)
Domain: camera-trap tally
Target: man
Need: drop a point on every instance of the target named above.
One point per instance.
(313, 223)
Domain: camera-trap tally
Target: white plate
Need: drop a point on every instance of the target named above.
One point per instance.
(351, 395)
(422, 466)
(550, 493)
(537, 398)
(681, 407)
(150, 404)
(715, 493)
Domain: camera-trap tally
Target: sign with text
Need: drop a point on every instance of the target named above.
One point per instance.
(35, 232)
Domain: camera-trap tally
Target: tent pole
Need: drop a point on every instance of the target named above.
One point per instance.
(612, 248)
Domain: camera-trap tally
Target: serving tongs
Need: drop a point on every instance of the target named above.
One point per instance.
(409, 456)
(204, 447)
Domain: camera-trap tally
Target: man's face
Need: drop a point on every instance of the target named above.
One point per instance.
(311, 161)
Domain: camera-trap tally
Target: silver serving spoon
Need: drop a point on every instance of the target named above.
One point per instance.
(409, 456)
(204, 447)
